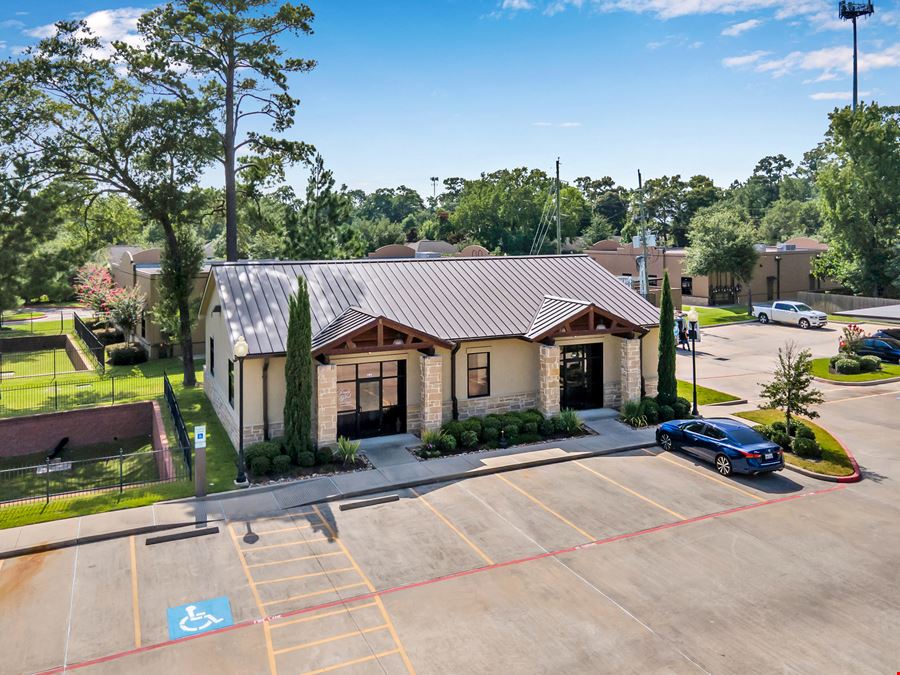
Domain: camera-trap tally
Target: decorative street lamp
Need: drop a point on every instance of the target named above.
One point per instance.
(240, 351)
(693, 325)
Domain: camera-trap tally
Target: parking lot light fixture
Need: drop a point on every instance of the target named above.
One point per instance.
(240, 350)
(693, 325)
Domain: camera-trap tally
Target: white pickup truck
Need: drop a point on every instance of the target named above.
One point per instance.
(788, 311)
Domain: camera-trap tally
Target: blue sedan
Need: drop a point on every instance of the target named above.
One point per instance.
(731, 446)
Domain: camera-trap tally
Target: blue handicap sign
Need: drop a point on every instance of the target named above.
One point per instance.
(199, 617)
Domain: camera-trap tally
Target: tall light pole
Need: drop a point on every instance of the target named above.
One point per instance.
(434, 182)
(693, 326)
(851, 11)
(240, 349)
(778, 277)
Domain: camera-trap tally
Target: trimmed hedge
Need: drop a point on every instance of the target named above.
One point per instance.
(869, 364)
(281, 464)
(125, 354)
(807, 448)
(847, 367)
(260, 465)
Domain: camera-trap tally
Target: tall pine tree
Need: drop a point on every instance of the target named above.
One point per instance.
(298, 371)
(668, 387)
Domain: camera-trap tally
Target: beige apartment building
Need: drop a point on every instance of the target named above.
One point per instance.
(141, 268)
(407, 344)
(782, 271)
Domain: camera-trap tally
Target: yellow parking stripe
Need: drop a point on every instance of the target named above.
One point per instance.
(289, 543)
(705, 475)
(334, 638)
(292, 528)
(546, 508)
(290, 560)
(304, 576)
(453, 527)
(346, 664)
(371, 587)
(333, 589)
(316, 617)
(270, 651)
(630, 491)
(135, 609)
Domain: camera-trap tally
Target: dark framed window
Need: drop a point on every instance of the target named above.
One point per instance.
(479, 374)
(231, 383)
(143, 324)
(687, 285)
(212, 357)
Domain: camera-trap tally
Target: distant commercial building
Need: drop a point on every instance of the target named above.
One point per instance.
(426, 248)
(782, 271)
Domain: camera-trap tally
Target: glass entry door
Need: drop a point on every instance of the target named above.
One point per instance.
(371, 399)
(581, 376)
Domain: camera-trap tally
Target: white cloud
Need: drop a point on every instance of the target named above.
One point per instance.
(745, 60)
(516, 4)
(669, 9)
(835, 95)
(736, 29)
(830, 61)
(12, 23)
(107, 24)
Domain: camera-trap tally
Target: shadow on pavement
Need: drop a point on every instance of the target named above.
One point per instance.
(771, 483)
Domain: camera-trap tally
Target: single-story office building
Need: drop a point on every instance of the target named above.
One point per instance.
(406, 345)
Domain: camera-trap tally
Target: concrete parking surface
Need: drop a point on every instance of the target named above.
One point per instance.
(637, 562)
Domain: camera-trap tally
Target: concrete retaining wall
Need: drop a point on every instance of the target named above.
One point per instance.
(831, 302)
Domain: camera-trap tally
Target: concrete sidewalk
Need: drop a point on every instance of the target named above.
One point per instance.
(611, 436)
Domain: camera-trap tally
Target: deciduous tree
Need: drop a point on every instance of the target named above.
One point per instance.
(790, 389)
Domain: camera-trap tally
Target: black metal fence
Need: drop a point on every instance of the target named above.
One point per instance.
(184, 441)
(23, 399)
(96, 348)
(54, 479)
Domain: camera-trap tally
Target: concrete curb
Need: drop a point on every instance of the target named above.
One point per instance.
(870, 383)
(741, 401)
(728, 323)
(486, 471)
(94, 538)
(855, 477)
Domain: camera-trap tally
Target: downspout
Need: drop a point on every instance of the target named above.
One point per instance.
(641, 352)
(265, 401)
(453, 380)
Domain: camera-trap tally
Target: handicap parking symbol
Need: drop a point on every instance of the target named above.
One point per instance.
(199, 617)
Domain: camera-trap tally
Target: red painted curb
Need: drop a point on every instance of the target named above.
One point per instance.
(435, 580)
(856, 476)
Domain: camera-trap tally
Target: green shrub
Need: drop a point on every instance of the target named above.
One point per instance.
(530, 428)
(666, 413)
(125, 355)
(650, 410)
(803, 431)
(682, 408)
(631, 414)
(491, 422)
(763, 430)
(454, 429)
(779, 427)
(510, 431)
(473, 424)
(834, 359)
(533, 416)
(847, 367)
(529, 438)
(324, 455)
(109, 336)
(511, 418)
(559, 425)
(266, 449)
(546, 427)
(306, 459)
(490, 436)
(260, 465)
(781, 438)
(570, 423)
(448, 443)
(347, 450)
(869, 364)
(807, 448)
(281, 464)
(468, 439)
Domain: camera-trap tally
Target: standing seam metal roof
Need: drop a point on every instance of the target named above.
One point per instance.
(451, 298)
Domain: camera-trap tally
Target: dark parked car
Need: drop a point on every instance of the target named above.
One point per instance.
(893, 333)
(885, 348)
(731, 446)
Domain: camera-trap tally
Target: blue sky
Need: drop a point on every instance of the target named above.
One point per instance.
(410, 89)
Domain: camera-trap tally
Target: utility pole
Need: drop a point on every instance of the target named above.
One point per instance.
(851, 11)
(558, 226)
(645, 286)
(434, 182)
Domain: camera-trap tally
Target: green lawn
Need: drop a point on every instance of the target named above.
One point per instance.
(30, 364)
(705, 395)
(713, 316)
(888, 370)
(20, 315)
(834, 460)
(37, 328)
(196, 409)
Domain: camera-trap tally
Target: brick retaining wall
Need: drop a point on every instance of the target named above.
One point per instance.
(41, 433)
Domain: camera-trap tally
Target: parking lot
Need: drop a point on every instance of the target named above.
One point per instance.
(637, 562)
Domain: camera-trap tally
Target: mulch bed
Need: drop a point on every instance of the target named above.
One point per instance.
(477, 451)
(303, 473)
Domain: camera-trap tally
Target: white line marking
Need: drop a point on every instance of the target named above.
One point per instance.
(71, 599)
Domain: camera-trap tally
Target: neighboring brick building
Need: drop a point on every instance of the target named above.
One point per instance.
(788, 266)
(405, 345)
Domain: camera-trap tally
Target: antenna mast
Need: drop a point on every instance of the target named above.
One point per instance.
(851, 11)
(645, 285)
(558, 227)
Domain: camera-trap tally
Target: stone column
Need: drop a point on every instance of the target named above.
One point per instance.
(326, 404)
(631, 369)
(431, 370)
(548, 379)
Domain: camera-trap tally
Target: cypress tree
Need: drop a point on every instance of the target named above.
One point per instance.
(298, 372)
(667, 390)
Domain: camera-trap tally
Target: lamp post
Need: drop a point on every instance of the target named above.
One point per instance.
(240, 351)
(778, 277)
(693, 322)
